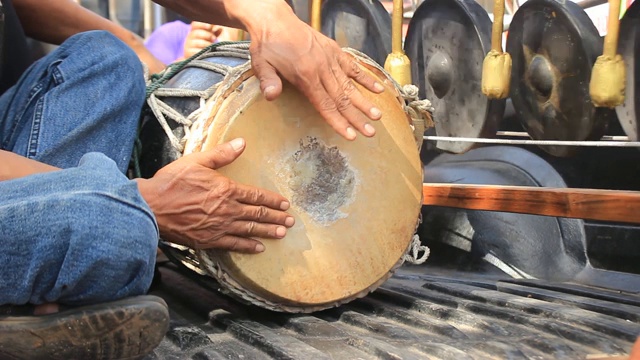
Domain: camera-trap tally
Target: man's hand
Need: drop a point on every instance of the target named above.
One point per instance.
(198, 207)
(281, 44)
(316, 65)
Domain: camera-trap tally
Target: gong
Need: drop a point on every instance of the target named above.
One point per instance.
(627, 47)
(446, 43)
(364, 25)
(554, 46)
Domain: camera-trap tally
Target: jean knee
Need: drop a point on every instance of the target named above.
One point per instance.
(111, 56)
(113, 253)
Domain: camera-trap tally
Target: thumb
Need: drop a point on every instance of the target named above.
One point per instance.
(270, 83)
(221, 155)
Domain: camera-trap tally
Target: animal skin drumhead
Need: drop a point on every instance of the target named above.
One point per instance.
(356, 203)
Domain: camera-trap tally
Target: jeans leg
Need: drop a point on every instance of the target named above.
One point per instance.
(85, 96)
(76, 236)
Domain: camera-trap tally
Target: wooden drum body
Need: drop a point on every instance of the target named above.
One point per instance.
(356, 203)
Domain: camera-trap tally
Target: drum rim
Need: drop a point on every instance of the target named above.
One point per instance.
(214, 268)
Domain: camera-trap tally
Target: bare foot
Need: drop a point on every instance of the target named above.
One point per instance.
(46, 309)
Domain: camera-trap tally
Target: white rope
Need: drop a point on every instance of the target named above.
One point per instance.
(597, 143)
(413, 255)
(163, 112)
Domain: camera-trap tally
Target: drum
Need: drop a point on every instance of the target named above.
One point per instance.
(356, 203)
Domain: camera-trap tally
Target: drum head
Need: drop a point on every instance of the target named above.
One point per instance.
(356, 203)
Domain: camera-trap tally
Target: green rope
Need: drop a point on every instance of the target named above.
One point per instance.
(160, 79)
(157, 81)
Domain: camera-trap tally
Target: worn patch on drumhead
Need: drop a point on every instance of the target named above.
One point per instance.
(321, 180)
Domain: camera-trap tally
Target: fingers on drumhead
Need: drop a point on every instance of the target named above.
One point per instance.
(353, 70)
(240, 244)
(256, 229)
(270, 83)
(221, 155)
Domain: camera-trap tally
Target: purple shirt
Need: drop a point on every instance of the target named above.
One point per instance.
(167, 42)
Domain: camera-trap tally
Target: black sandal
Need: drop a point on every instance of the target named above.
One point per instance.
(125, 329)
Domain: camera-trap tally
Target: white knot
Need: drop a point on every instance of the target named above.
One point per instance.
(413, 255)
(423, 105)
(410, 92)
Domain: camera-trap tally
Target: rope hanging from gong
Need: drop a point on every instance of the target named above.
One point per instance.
(607, 83)
(496, 67)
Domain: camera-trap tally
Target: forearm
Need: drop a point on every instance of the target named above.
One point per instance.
(15, 166)
(249, 15)
(54, 21)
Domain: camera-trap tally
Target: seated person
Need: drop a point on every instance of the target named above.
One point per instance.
(78, 237)
(176, 41)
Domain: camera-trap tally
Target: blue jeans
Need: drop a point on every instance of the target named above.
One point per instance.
(83, 234)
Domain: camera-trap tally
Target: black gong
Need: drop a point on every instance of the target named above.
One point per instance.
(554, 46)
(628, 48)
(446, 43)
(364, 25)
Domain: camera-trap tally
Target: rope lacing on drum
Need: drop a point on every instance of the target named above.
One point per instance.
(155, 91)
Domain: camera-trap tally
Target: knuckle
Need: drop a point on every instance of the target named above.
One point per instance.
(235, 244)
(348, 87)
(327, 104)
(256, 196)
(251, 227)
(224, 187)
(356, 71)
(343, 103)
(261, 212)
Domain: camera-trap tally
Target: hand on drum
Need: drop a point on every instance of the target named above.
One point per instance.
(317, 66)
(197, 207)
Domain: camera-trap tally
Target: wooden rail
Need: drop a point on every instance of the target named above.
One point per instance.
(588, 204)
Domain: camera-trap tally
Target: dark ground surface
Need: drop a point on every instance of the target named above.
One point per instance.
(423, 312)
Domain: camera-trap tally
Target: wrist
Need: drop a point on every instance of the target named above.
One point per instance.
(147, 192)
(255, 16)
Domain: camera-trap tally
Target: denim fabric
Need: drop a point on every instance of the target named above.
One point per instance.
(76, 236)
(83, 234)
(85, 96)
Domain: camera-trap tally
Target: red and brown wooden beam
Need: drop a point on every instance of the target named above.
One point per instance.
(588, 204)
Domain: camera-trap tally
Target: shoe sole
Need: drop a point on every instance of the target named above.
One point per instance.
(125, 329)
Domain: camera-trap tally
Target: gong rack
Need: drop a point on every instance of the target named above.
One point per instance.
(615, 141)
(443, 53)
